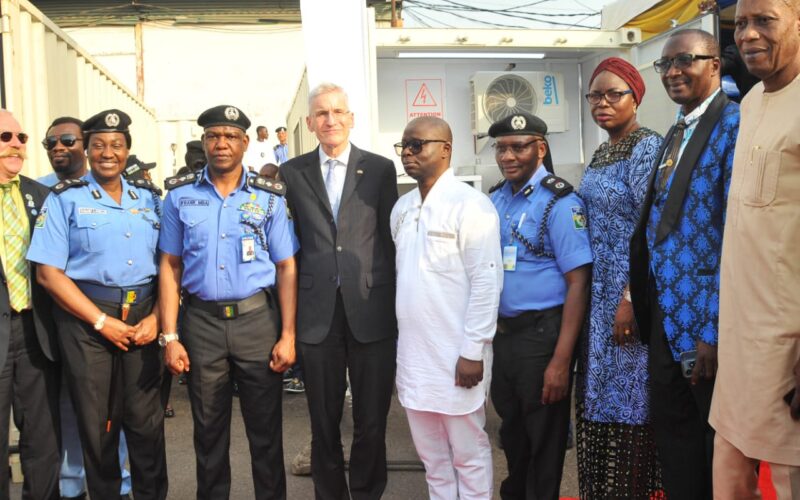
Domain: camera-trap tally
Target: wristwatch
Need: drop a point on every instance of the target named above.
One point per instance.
(101, 322)
(166, 338)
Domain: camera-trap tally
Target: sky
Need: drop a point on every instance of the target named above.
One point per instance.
(554, 14)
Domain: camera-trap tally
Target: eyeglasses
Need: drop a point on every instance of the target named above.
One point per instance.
(414, 145)
(68, 140)
(680, 61)
(7, 136)
(516, 149)
(610, 96)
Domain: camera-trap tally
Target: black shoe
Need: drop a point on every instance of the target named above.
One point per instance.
(169, 412)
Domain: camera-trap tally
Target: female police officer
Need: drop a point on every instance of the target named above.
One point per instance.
(95, 241)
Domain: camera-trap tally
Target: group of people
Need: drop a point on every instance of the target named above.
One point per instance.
(668, 274)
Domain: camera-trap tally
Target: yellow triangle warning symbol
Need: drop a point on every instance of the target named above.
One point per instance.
(424, 97)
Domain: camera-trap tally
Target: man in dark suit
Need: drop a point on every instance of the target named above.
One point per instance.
(675, 256)
(28, 350)
(341, 198)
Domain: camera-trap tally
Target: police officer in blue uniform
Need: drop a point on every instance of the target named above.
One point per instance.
(95, 240)
(282, 148)
(547, 263)
(226, 243)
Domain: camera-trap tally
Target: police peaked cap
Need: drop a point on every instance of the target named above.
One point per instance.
(224, 116)
(110, 120)
(280, 129)
(519, 123)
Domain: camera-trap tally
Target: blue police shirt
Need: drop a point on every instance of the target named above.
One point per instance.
(282, 153)
(91, 237)
(48, 180)
(213, 236)
(538, 282)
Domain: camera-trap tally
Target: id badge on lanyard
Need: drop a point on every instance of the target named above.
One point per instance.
(248, 248)
(510, 250)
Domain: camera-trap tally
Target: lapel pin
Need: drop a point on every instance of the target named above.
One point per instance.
(359, 171)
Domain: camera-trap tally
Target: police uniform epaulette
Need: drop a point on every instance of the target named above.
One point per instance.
(275, 187)
(145, 184)
(66, 184)
(557, 186)
(497, 186)
(179, 180)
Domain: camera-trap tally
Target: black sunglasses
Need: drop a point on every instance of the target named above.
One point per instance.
(680, 61)
(414, 145)
(7, 136)
(67, 140)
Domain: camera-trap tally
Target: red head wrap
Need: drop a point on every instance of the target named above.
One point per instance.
(624, 70)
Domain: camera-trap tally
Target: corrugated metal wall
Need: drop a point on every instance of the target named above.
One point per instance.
(47, 75)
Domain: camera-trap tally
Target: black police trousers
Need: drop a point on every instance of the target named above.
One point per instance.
(101, 377)
(534, 436)
(222, 351)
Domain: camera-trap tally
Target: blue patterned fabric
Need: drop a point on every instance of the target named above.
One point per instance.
(614, 380)
(685, 264)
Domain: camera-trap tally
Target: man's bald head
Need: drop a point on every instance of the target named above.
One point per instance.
(433, 124)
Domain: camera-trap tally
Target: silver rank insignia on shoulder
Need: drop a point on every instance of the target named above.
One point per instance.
(133, 194)
(96, 194)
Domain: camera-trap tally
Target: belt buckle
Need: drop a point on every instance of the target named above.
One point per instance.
(129, 296)
(227, 310)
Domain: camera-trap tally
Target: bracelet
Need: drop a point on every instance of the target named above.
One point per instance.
(101, 322)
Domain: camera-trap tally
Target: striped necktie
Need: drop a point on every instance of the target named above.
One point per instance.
(671, 160)
(15, 236)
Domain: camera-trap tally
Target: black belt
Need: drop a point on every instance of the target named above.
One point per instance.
(526, 319)
(231, 309)
(118, 295)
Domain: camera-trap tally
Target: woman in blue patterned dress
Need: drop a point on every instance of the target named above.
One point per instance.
(616, 453)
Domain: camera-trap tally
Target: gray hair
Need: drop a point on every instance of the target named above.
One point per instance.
(326, 88)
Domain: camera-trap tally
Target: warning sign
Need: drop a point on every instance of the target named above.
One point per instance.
(424, 97)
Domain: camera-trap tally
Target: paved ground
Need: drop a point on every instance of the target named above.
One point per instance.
(403, 484)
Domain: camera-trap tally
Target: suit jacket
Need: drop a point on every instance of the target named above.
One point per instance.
(682, 253)
(358, 250)
(42, 302)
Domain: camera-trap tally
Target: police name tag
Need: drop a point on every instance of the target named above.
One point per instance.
(510, 258)
(248, 248)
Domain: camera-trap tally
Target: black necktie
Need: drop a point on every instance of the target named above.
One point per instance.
(671, 158)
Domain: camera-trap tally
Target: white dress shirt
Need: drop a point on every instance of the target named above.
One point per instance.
(258, 154)
(340, 169)
(449, 279)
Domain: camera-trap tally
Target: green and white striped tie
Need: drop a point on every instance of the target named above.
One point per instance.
(15, 236)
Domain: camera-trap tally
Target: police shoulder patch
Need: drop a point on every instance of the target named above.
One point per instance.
(179, 180)
(557, 185)
(497, 186)
(145, 184)
(266, 184)
(66, 184)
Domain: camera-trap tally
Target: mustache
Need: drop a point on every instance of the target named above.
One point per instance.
(14, 152)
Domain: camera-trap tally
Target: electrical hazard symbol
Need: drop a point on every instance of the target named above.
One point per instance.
(424, 97)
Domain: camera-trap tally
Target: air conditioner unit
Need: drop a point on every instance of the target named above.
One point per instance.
(496, 95)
